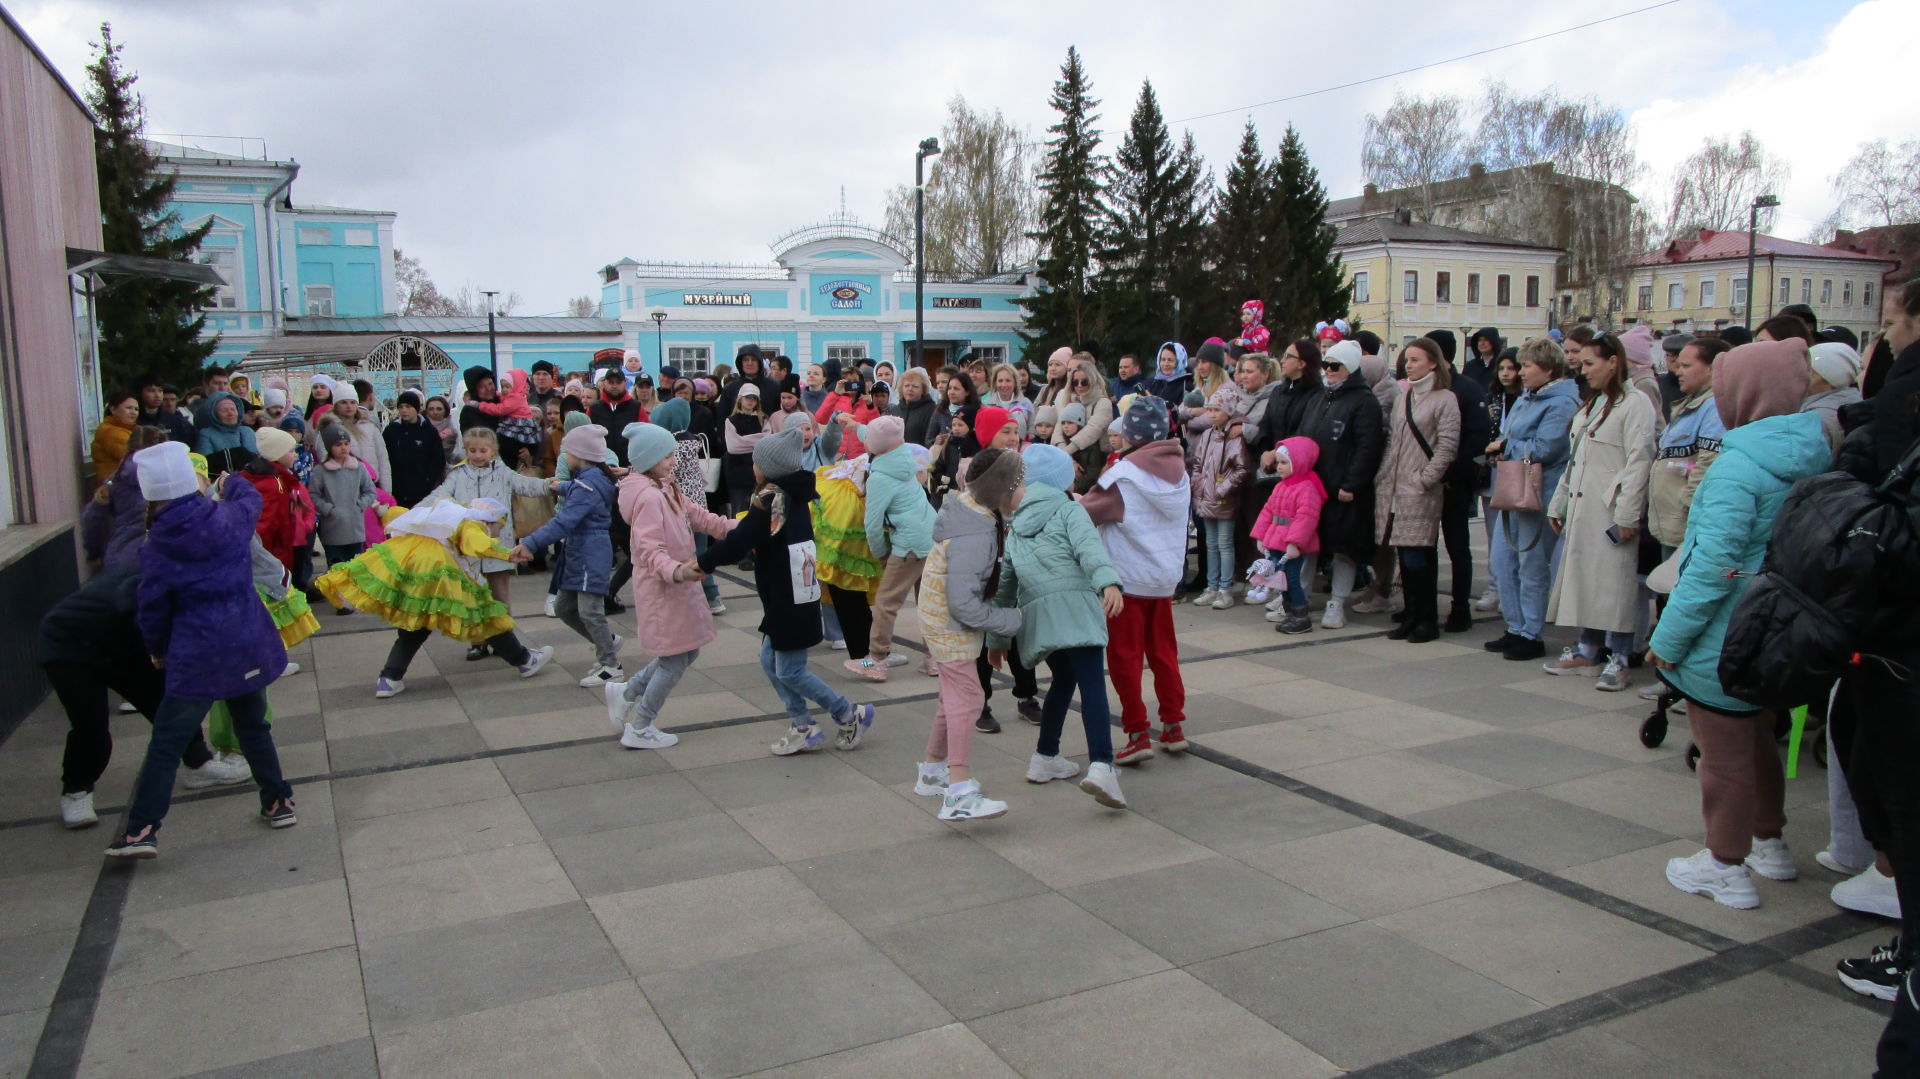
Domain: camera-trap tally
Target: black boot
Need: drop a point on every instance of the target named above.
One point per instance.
(1424, 624)
(1460, 619)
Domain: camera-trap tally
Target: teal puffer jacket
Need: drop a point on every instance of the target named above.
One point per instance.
(1055, 569)
(1727, 529)
(899, 517)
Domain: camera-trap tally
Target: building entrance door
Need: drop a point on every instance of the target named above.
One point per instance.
(933, 358)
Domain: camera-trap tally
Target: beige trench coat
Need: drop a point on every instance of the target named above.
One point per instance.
(1606, 484)
(1407, 487)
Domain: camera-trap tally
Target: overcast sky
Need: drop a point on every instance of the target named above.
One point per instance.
(525, 146)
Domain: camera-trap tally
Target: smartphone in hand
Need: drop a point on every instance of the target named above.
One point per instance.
(1613, 534)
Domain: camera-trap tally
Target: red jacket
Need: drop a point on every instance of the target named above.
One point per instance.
(276, 527)
(836, 403)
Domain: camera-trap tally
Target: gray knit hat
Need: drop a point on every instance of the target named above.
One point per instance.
(779, 455)
(1074, 412)
(334, 432)
(992, 476)
(1145, 421)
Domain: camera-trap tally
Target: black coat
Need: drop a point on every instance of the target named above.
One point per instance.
(918, 417)
(95, 626)
(175, 424)
(737, 469)
(1346, 423)
(1171, 390)
(1286, 409)
(781, 558)
(615, 419)
(419, 464)
(1476, 430)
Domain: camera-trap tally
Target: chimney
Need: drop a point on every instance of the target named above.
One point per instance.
(1403, 215)
(1370, 190)
(1477, 170)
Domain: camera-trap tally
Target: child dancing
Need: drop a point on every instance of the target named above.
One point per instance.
(582, 522)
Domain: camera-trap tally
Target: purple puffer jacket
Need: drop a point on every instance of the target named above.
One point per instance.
(114, 532)
(198, 608)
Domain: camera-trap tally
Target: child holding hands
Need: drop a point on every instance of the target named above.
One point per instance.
(1289, 525)
(582, 522)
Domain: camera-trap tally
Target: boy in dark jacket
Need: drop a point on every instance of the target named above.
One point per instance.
(584, 516)
(777, 532)
(413, 449)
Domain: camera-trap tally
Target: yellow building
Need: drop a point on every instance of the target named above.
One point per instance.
(1409, 278)
(1699, 283)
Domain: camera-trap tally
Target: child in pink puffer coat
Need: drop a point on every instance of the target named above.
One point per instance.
(1289, 525)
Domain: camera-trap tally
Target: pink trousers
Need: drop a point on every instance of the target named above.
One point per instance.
(961, 700)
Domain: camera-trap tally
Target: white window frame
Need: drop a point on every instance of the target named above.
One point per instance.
(1740, 293)
(1786, 291)
(1410, 287)
(770, 349)
(1676, 295)
(1643, 296)
(226, 262)
(1362, 289)
(1826, 292)
(1866, 295)
(692, 359)
(313, 236)
(1709, 292)
(990, 354)
(1806, 290)
(1442, 294)
(321, 296)
(361, 236)
(1846, 293)
(856, 351)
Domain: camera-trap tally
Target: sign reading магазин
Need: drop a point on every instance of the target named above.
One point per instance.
(846, 295)
(716, 299)
(956, 301)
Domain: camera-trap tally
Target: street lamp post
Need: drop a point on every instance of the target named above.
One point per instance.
(928, 148)
(659, 317)
(493, 352)
(1764, 202)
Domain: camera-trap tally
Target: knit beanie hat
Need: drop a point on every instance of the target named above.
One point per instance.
(331, 434)
(1836, 363)
(1213, 352)
(673, 414)
(648, 444)
(779, 455)
(1048, 466)
(410, 397)
(703, 385)
(273, 442)
(1761, 379)
(273, 398)
(1047, 414)
(1345, 353)
(1074, 412)
(587, 442)
(1230, 400)
(884, 435)
(165, 473)
(1145, 421)
(1194, 399)
(989, 421)
(1063, 354)
(1449, 344)
(1737, 336)
(472, 376)
(992, 476)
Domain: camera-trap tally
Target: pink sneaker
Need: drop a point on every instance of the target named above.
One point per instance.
(1572, 662)
(867, 669)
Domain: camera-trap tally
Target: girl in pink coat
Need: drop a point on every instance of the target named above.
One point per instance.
(1289, 524)
(674, 622)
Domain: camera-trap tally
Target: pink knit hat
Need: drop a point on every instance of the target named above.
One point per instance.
(1062, 354)
(884, 435)
(587, 442)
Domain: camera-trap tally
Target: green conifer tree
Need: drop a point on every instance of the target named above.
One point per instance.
(146, 324)
(1152, 242)
(1240, 250)
(1061, 311)
(1310, 285)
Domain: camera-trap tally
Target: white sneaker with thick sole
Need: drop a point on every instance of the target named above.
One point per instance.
(1829, 862)
(1613, 677)
(1703, 874)
(1205, 598)
(221, 771)
(127, 709)
(897, 659)
(1335, 616)
(1046, 769)
(1771, 859)
(807, 739)
(714, 606)
(537, 661)
(931, 782)
(1222, 600)
(1653, 691)
(838, 646)
(388, 687)
(1871, 892)
(616, 693)
(965, 802)
(600, 676)
(1103, 782)
(647, 737)
(1488, 601)
(76, 810)
(552, 608)
(291, 669)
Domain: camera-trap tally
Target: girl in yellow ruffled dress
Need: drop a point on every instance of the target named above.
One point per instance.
(845, 565)
(426, 577)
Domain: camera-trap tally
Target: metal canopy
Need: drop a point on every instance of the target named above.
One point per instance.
(102, 264)
(352, 351)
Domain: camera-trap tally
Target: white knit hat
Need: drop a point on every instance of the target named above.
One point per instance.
(1837, 363)
(165, 473)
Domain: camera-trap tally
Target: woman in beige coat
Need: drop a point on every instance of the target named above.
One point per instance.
(1423, 437)
(1599, 508)
(1086, 385)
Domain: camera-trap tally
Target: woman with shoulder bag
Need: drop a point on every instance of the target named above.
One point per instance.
(1528, 459)
(1423, 437)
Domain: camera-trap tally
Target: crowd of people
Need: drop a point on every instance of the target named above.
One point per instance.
(1627, 485)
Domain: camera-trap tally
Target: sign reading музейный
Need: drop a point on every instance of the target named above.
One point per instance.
(716, 299)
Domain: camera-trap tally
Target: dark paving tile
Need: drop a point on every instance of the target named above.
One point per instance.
(1540, 831)
(35, 963)
(765, 780)
(293, 730)
(1043, 947)
(1327, 990)
(1518, 759)
(345, 1060)
(622, 859)
(1761, 1024)
(614, 803)
(1579, 1055)
(1503, 707)
(1205, 909)
(1413, 681)
(1235, 819)
(876, 889)
(404, 747)
(776, 1007)
(569, 766)
(438, 973)
(420, 687)
(306, 854)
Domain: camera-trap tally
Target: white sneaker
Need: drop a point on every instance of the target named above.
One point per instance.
(1374, 604)
(292, 669)
(1222, 600)
(1103, 783)
(1613, 677)
(807, 739)
(1277, 603)
(553, 606)
(1043, 769)
(1828, 861)
(965, 802)
(647, 737)
(222, 771)
(600, 676)
(1488, 601)
(1872, 892)
(1703, 874)
(76, 810)
(838, 646)
(1571, 661)
(127, 709)
(932, 779)
(897, 659)
(1335, 616)
(537, 661)
(1771, 859)
(617, 706)
(714, 606)
(1653, 691)
(1277, 614)
(388, 687)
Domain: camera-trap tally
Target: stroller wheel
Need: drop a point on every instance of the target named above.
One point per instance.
(1693, 757)
(1654, 730)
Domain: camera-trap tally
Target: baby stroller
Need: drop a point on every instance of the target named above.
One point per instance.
(1653, 730)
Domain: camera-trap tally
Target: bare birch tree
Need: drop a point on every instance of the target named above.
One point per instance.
(1417, 143)
(583, 307)
(1715, 187)
(1879, 186)
(982, 199)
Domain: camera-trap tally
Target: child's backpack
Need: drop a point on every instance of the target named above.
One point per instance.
(1842, 552)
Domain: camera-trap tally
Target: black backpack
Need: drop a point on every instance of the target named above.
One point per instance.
(1842, 553)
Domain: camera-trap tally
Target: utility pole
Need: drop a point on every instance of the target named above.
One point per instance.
(493, 351)
(928, 148)
(1764, 202)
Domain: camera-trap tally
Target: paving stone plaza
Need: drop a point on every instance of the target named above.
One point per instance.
(1379, 859)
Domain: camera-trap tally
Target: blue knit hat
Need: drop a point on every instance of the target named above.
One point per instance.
(1048, 466)
(648, 444)
(673, 414)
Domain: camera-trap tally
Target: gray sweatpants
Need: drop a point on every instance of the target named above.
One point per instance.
(655, 682)
(585, 613)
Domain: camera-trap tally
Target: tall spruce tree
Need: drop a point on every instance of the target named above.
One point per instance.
(146, 324)
(1239, 249)
(1309, 285)
(1152, 243)
(1061, 310)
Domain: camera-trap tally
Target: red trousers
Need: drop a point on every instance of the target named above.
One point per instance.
(1144, 629)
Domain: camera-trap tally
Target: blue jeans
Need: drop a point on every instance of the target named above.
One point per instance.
(1083, 668)
(830, 623)
(1217, 537)
(708, 584)
(1592, 640)
(1523, 578)
(1296, 588)
(557, 560)
(656, 681)
(796, 684)
(177, 722)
